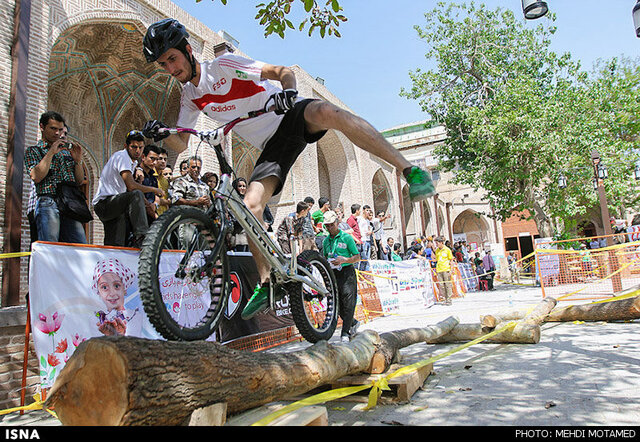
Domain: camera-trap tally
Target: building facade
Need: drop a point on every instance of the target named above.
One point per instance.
(455, 212)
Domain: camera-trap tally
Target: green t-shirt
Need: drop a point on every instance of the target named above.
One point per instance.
(342, 244)
(318, 217)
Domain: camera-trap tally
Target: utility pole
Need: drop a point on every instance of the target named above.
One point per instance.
(606, 224)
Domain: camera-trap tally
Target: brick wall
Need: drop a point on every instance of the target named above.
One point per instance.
(514, 225)
(12, 334)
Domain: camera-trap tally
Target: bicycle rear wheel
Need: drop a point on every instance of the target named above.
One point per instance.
(183, 297)
(315, 315)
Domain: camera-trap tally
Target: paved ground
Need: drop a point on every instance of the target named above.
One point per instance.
(577, 375)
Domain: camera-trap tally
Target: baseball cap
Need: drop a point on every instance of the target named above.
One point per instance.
(330, 217)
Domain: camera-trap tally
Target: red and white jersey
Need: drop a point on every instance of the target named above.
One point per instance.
(231, 86)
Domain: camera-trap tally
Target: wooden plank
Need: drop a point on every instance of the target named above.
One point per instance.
(212, 416)
(312, 415)
(402, 387)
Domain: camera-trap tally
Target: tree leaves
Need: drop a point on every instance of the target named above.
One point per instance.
(325, 19)
(517, 114)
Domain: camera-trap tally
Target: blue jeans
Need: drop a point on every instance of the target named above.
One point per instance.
(56, 228)
(365, 255)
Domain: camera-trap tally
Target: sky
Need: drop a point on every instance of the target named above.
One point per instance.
(367, 67)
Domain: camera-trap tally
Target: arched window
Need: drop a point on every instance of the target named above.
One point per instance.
(409, 220)
(474, 226)
(382, 196)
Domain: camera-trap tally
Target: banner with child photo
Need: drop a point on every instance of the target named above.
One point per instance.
(79, 292)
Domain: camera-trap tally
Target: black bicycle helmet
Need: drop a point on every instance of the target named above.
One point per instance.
(162, 36)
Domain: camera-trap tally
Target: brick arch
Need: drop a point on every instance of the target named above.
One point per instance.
(138, 18)
(382, 194)
(474, 225)
(336, 171)
(411, 226)
(428, 221)
(100, 82)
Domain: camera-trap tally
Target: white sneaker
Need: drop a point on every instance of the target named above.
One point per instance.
(345, 339)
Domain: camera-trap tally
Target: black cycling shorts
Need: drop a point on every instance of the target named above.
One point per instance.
(285, 146)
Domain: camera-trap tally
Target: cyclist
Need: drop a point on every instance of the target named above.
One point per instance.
(231, 86)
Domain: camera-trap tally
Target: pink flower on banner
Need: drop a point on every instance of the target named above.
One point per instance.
(62, 346)
(77, 340)
(53, 360)
(49, 325)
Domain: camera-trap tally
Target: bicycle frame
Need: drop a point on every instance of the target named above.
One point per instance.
(285, 269)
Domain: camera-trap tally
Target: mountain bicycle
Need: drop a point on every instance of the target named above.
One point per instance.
(184, 268)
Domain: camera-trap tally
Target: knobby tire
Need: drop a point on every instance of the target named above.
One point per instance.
(314, 326)
(155, 244)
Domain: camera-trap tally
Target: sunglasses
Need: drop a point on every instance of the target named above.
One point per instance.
(134, 132)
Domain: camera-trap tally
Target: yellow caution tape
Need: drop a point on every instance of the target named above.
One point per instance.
(312, 400)
(37, 405)
(377, 386)
(14, 255)
(383, 383)
(591, 251)
(601, 279)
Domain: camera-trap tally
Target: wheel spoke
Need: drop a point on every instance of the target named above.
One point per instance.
(315, 315)
(183, 300)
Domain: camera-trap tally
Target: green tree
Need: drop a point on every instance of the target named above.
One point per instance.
(274, 16)
(517, 114)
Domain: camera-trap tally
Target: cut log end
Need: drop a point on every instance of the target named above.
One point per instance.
(80, 386)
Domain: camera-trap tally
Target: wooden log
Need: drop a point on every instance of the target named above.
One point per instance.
(133, 381)
(526, 334)
(527, 314)
(391, 342)
(540, 311)
(492, 320)
(621, 310)
(526, 331)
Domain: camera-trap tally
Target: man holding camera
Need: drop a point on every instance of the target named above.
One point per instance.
(50, 162)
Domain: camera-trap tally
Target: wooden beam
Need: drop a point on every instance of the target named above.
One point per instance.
(16, 140)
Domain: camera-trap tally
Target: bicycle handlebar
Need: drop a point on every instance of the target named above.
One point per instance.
(225, 127)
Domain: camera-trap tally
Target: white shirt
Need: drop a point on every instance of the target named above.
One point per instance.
(231, 86)
(378, 229)
(365, 228)
(111, 182)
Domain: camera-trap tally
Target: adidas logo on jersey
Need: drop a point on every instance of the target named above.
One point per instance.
(224, 108)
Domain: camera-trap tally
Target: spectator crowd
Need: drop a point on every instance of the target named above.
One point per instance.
(136, 185)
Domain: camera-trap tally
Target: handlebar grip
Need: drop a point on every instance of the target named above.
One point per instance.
(172, 131)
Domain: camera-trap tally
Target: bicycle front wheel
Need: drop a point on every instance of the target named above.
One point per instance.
(315, 315)
(182, 286)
